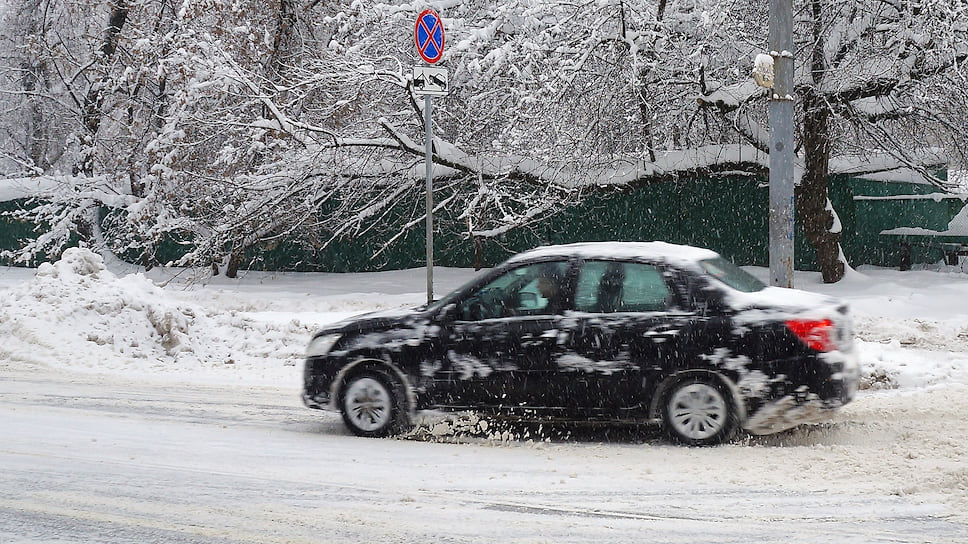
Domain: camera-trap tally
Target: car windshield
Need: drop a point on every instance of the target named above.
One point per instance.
(449, 297)
(732, 275)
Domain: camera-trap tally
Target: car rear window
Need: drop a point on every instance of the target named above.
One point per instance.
(732, 275)
(607, 286)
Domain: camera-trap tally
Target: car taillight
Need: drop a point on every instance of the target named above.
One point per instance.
(816, 334)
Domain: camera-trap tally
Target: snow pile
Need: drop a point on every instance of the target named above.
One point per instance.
(76, 314)
(959, 224)
(893, 364)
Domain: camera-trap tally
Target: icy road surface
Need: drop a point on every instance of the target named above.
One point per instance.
(146, 408)
(99, 459)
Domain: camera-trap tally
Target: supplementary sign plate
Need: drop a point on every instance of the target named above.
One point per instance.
(428, 80)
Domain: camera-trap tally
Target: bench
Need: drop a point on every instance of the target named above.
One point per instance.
(951, 245)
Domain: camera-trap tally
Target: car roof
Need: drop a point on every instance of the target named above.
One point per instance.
(666, 252)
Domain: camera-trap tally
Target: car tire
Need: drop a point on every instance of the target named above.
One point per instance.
(373, 404)
(699, 411)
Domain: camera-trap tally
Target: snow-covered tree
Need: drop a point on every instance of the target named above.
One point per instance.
(91, 99)
(873, 77)
(235, 123)
(33, 136)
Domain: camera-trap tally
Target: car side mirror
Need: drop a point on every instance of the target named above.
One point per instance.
(447, 313)
(710, 302)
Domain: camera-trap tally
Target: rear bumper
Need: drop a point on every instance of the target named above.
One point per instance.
(815, 400)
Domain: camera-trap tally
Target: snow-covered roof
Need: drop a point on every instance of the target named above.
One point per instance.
(618, 172)
(898, 175)
(888, 168)
(674, 163)
(672, 253)
(958, 226)
(669, 164)
(17, 188)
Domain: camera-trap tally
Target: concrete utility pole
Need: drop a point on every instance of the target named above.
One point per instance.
(781, 144)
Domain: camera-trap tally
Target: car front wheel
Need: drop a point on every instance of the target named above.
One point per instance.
(372, 405)
(698, 411)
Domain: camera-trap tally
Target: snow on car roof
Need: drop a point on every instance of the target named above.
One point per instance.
(672, 253)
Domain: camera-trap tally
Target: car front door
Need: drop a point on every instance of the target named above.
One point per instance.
(502, 338)
(626, 325)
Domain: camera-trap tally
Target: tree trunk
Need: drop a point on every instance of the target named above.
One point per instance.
(235, 261)
(478, 254)
(812, 195)
(282, 41)
(281, 46)
(642, 90)
(94, 100)
(36, 127)
(34, 84)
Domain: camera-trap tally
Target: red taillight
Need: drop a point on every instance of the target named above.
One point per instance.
(816, 334)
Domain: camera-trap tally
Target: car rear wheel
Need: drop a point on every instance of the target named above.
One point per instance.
(372, 405)
(698, 411)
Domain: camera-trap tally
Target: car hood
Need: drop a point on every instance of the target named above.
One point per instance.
(378, 320)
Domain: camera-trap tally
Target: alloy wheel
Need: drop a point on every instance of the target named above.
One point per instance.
(697, 411)
(367, 404)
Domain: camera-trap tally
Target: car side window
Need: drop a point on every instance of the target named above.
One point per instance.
(528, 290)
(597, 286)
(605, 287)
(644, 289)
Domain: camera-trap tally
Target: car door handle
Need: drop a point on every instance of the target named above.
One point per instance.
(660, 335)
(549, 336)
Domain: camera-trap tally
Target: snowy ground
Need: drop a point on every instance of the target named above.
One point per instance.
(161, 408)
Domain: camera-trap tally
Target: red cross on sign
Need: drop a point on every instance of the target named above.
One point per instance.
(429, 35)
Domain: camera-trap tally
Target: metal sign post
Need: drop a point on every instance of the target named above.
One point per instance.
(429, 158)
(781, 144)
(428, 34)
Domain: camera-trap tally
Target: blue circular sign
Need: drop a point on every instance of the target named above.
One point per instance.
(429, 35)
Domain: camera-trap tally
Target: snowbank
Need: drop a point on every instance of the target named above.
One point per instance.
(77, 315)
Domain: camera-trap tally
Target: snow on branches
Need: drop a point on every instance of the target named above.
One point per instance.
(231, 125)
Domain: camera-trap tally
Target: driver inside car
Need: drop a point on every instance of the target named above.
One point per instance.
(548, 288)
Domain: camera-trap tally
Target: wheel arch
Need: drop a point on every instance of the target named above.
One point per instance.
(371, 363)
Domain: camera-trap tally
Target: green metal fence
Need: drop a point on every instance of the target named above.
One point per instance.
(726, 214)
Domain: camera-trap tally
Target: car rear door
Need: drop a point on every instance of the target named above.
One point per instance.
(627, 325)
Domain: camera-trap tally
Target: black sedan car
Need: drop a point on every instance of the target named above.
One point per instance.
(612, 331)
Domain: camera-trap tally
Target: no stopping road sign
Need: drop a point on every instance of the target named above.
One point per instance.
(428, 33)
